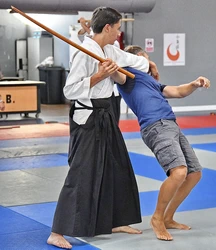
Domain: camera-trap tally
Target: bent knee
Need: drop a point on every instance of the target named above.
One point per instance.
(179, 173)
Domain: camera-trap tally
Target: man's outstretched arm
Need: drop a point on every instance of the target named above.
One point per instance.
(186, 89)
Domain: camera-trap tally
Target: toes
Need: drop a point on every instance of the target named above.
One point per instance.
(165, 237)
(59, 241)
(126, 229)
(139, 231)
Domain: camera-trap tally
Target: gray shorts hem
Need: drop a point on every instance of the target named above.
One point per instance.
(173, 165)
(194, 170)
(178, 163)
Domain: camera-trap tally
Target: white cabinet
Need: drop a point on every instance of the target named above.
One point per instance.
(39, 48)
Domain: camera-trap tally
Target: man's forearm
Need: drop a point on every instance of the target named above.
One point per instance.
(96, 78)
(153, 70)
(186, 89)
(119, 77)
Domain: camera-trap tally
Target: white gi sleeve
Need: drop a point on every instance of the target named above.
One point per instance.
(125, 59)
(81, 37)
(78, 81)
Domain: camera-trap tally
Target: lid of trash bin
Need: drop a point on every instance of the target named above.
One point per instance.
(50, 68)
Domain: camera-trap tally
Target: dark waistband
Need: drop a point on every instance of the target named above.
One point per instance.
(102, 103)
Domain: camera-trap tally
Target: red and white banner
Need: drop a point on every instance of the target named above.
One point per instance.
(174, 49)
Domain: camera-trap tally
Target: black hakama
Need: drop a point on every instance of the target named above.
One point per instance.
(100, 190)
(116, 103)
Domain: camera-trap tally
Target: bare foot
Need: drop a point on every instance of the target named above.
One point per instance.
(175, 225)
(160, 230)
(59, 241)
(126, 229)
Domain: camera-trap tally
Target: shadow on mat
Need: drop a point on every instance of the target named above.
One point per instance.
(23, 121)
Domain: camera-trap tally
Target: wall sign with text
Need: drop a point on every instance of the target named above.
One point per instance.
(149, 45)
(174, 49)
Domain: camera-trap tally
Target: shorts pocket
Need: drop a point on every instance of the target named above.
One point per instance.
(165, 153)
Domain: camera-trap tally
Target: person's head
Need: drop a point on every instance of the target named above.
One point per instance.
(136, 50)
(108, 21)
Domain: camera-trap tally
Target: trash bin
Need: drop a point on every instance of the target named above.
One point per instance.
(52, 91)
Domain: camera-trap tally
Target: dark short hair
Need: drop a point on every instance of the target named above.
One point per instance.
(102, 16)
(134, 49)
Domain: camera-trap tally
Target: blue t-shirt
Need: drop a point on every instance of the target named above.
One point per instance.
(144, 97)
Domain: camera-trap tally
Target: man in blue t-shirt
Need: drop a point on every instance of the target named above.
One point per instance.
(146, 97)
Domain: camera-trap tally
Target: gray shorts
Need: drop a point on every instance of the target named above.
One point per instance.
(170, 146)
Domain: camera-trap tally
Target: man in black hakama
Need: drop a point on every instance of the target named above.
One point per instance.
(100, 191)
